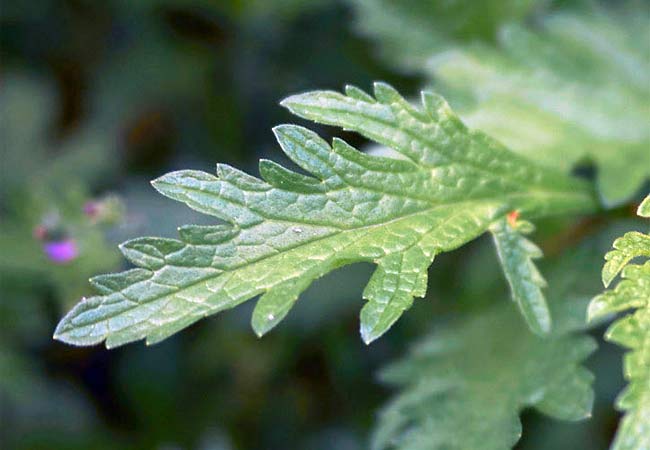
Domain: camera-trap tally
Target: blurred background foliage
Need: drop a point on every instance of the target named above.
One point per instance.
(99, 97)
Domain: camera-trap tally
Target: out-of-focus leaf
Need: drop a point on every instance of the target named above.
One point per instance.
(464, 386)
(409, 32)
(572, 87)
(576, 89)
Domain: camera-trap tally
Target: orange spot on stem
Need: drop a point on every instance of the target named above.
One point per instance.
(512, 218)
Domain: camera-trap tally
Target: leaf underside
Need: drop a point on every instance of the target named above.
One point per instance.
(287, 229)
(631, 331)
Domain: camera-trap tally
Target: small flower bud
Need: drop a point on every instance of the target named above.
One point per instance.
(61, 252)
(91, 209)
(40, 232)
(108, 210)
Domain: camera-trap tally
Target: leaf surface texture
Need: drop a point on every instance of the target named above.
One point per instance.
(286, 229)
(566, 87)
(632, 331)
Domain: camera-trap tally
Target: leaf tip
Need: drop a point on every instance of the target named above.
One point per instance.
(281, 130)
(644, 208)
(179, 177)
(293, 101)
(258, 328)
(597, 308)
(60, 331)
(62, 335)
(261, 326)
(157, 183)
(382, 86)
(369, 334)
(285, 102)
(607, 278)
(264, 321)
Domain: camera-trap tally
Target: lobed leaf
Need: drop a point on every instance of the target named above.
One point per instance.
(576, 90)
(632, 331)
(287, 229)
(516, 254)
(626, 248)
(464, 386)
(571, 86)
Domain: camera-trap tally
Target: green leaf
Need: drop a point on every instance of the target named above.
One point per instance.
(464, 386)
(644, 208)
(571, 85)
(288, 229)
(626, 248)
(410, 30)
(516, 254)
(632, 331)
(576, 89)
(47, 183)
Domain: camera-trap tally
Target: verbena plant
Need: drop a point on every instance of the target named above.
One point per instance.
(535, 101)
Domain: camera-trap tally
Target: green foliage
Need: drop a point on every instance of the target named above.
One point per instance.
(574, 87)
(410, 31)
(158, 83)
(516, 254)
(288, 229)
(577, 89)
(644, 208)
(631, 331)
(463, 386)
(43, 184)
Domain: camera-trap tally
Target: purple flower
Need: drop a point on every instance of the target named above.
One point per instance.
(61, 252)
(92, 209)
